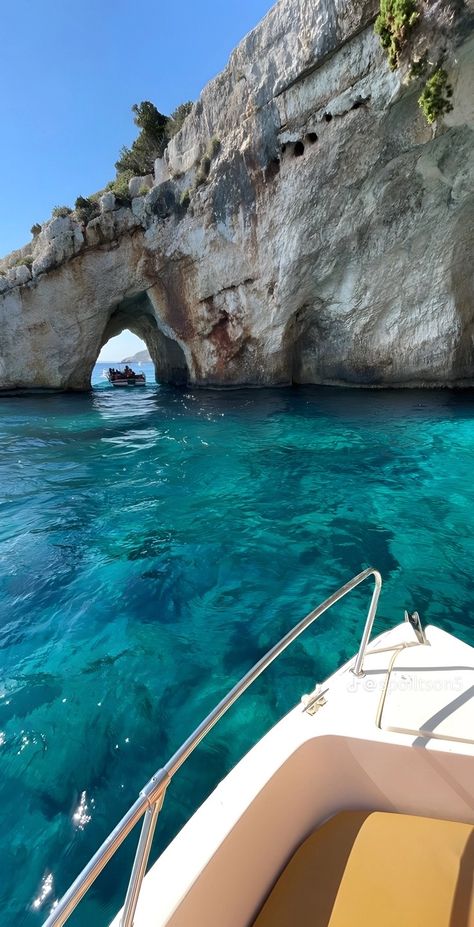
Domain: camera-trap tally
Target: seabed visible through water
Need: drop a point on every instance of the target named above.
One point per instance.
(155, 543)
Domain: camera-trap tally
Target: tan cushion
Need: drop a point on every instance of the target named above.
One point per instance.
(376, 869)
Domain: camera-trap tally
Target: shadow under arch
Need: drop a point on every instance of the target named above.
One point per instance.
(136, 314)
(301, 345)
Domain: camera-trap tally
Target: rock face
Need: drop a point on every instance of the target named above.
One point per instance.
(306, 225)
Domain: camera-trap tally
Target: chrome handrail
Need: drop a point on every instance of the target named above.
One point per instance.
(150, 799)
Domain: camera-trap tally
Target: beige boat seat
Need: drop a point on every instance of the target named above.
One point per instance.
(377, 869)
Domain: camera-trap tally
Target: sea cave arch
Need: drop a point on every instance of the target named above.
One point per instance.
(302, 344)
(137, 314)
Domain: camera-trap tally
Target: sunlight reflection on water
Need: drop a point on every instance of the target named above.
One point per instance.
(153, 545)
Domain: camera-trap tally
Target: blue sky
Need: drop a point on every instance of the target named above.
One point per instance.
(123, 345)
(69, 74)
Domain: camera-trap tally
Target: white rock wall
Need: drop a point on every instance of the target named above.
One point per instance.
(330, 243)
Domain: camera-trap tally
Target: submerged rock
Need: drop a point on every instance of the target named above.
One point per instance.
(305, 225)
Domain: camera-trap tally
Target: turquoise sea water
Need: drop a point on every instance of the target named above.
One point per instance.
(154, 543)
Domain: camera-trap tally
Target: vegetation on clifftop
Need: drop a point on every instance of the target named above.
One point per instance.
(86, 209)
(150, 143)
(156, 130)
(60, 212)
(119, 186)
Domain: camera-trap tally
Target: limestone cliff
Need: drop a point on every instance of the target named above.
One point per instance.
(328, 238)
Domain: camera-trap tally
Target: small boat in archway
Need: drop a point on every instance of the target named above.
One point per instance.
(125, 377)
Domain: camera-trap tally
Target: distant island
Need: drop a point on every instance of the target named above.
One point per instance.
(141, 357)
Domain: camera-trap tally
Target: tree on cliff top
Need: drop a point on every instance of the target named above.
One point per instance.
(150, 143)
(155, 133)
(150, 120)
(177, 118)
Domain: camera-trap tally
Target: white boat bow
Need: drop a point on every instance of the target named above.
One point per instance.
(388, 737)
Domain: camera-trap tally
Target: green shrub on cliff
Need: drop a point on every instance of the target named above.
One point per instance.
(393, 24)
(60, 212)
(95, 197)
(435, 99)
(185, 199)
(213, 147)
(119, 186)
(203, 170)
(204, 165)
(86, 209)
(175, 121)
(35, 229)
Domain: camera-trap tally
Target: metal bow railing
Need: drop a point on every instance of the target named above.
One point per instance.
(150, 799)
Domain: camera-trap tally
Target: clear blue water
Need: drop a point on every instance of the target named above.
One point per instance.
(153, 544)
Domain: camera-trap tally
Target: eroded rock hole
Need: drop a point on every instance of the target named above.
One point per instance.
(311, 138)
(272, 169)
(301, 344)
(328, 117)
(298, 149)
(360, 102)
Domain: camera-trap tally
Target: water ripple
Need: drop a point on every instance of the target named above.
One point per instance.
(153, 544)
